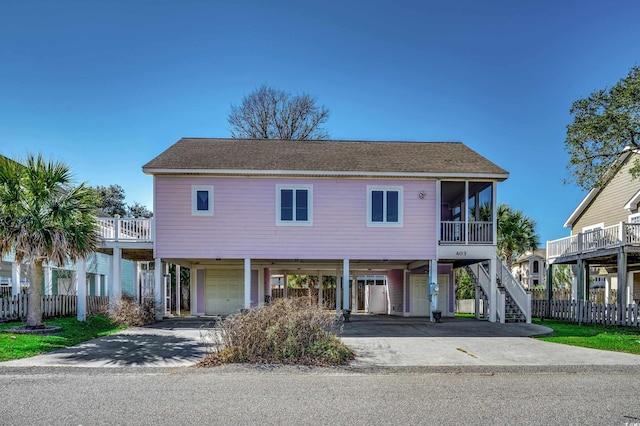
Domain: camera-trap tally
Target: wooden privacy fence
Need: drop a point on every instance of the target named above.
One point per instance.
(328, 295)
(15, 307)
(596, 295)
(586, 312)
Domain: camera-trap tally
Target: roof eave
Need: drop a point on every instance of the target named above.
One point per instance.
(240, 172)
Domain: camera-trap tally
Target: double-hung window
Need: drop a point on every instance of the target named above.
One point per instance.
(384, 206)
(202, 200)
(294, 205)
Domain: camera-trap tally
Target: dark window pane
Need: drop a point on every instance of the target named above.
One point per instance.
(392, 206)
(302, 201)
(202, 200)
(377, 206)
(286, 204)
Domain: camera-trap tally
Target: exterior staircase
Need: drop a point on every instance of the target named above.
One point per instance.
(512, 302)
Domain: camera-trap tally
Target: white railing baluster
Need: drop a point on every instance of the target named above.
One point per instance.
(122, 229)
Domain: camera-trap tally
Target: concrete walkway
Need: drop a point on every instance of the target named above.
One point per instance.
(379, 341)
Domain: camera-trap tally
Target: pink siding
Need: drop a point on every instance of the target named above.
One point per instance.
(395, 282)
(244, 224)
(267, 282)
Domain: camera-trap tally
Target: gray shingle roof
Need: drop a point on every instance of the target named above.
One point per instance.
(191, 155)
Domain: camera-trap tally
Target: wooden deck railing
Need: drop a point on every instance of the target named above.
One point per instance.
(597, 239)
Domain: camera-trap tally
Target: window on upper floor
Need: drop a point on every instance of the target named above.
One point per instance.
(384, 206)
(536, 267)
(202, 200)
(634, 218)
(294, 205)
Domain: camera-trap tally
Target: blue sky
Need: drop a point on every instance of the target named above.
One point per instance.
(107, 85)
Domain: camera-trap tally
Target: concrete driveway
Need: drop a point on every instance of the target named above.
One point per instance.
(171, 343)
(385, 341)
(379, 341)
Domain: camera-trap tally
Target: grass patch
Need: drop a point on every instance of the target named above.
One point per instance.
(286, 331)
(466, 315)
(608, 338)
(15, 346)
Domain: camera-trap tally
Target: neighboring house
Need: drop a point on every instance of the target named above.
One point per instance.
(530, 268)
(604, 246)
(64, 279)
(239, 212)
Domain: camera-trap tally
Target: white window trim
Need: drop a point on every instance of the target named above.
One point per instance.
(309, 221)
(194, 200)
(633, 216)
(400, 222)
(593, 227)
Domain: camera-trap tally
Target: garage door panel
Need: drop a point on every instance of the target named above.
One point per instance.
(224, 291)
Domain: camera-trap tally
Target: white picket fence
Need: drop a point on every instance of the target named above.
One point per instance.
(587, 312)
(15, 307)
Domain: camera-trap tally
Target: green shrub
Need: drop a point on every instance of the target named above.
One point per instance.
(286, 331)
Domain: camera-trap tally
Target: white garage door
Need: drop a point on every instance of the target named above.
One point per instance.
(224, 291)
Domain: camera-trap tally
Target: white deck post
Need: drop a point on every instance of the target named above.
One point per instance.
(98, 284)
(158, 291)
(493, 288)
(15, 279)
(81, 275)
(48, 280)
(345, 281)
(247, 283)
(178, 290)
(115, 292)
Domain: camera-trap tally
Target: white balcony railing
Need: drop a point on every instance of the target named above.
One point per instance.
(597, 239)
(473, 233)
(119, 229)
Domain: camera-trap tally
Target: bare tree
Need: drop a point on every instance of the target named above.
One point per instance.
(268, 113)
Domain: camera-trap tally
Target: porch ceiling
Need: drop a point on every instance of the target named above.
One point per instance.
(135, 254)
(310, 266)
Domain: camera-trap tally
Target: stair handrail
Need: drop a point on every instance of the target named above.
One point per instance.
(515, 289)
(485, 282)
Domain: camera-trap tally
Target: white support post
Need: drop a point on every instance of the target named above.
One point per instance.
(247, 283)
(433, 278)
(15, 279)
(81, 276)
(166, 279)
(115, 292)
(345, 280)
(178, 290)
(98, 284)
(136, 281)
(493, 288)
(48, 280)
(159, 289)
(465, 211)
(193, 303)
(607, 289)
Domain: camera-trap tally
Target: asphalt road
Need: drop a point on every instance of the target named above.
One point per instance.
(283, 396)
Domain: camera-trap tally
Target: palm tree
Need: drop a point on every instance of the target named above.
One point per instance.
(44, 218)
(516, 233)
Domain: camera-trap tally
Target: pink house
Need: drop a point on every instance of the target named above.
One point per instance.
(237, 212)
